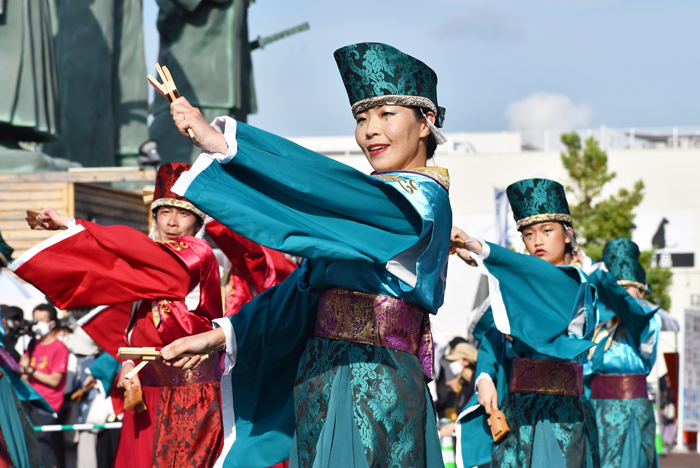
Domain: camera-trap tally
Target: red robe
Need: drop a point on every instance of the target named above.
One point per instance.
(254, 268)
(90, 265)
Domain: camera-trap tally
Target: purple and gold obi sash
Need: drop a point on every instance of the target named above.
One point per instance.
(384, 321)
(157, 374)
(618, 386)
(546, 377)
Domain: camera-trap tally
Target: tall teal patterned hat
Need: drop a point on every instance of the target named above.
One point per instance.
(377, 74)
(537, 201)
(621, 258)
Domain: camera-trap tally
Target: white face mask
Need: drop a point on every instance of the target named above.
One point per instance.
(456, 367)
(41, 329)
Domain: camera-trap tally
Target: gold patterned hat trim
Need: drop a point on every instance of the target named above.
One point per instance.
(183, 205)
(636, 284)
(543, 218)
(393, 100)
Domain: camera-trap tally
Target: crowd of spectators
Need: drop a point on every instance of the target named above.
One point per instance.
(55, 358)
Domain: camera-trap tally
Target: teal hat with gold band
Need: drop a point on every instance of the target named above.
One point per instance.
(621, 258)
(538, 201)
(378, 74)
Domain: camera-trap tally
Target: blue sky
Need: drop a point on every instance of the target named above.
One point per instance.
(620, 63)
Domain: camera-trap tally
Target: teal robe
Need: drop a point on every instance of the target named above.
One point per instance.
(547, 312)
(387, 234)
(626, 428)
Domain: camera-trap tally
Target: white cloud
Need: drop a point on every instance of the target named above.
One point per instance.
(547, 111)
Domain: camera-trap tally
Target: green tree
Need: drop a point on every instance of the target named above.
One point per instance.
(598, 219)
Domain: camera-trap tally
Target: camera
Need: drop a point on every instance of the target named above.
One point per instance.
(17, 328)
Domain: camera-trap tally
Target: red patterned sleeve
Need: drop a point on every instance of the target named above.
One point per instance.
(89, 265)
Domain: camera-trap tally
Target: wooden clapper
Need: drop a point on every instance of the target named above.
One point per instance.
(168, 89)
(133, 398)
(498, 424)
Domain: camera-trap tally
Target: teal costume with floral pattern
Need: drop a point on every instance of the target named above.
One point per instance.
(540, 313)
(627, 340)
(333, 402)
(546, 430)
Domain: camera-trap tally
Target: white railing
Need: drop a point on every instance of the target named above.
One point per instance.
(618, 138)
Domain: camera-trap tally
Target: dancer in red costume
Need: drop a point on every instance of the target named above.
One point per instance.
(254, 268)
(175, 287)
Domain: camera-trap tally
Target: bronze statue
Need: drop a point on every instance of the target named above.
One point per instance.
(28, 107)
(205, 45)
(103, 97)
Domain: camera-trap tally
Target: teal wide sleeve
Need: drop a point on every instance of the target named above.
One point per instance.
(528, 292)
(490, 352)
(271, 334)
(475, 441)
(635, 315)
(26, 392)
(285, 197)
(105, 369)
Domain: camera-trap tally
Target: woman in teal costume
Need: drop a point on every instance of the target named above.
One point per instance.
(530, 358)
(333, 362)
(627, 338)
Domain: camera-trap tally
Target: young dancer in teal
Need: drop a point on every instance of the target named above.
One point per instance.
(530, 359)
(331, 365)
(616, 377)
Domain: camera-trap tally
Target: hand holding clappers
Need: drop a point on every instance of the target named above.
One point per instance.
(133, 398)
(36, 221)
(168, 89)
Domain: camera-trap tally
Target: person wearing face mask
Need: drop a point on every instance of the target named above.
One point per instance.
(616, 377)
(532, 354)
(463, 354)
(44, 367)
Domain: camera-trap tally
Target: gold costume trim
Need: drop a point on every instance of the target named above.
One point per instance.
(182, 204)
(393, 100)
(438, 173)
(541, 218)
(636, 284)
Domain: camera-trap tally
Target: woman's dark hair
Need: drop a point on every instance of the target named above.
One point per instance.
(432, 144)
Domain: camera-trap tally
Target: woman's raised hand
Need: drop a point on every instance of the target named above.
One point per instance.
(185, 116)
(200, 345)
(463, 245)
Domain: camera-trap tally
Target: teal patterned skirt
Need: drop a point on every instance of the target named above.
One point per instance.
(359, 405)
(546, 431)
(626, 433)
(13, 444)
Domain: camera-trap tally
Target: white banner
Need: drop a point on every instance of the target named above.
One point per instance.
(691, 371)
(501, 216)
